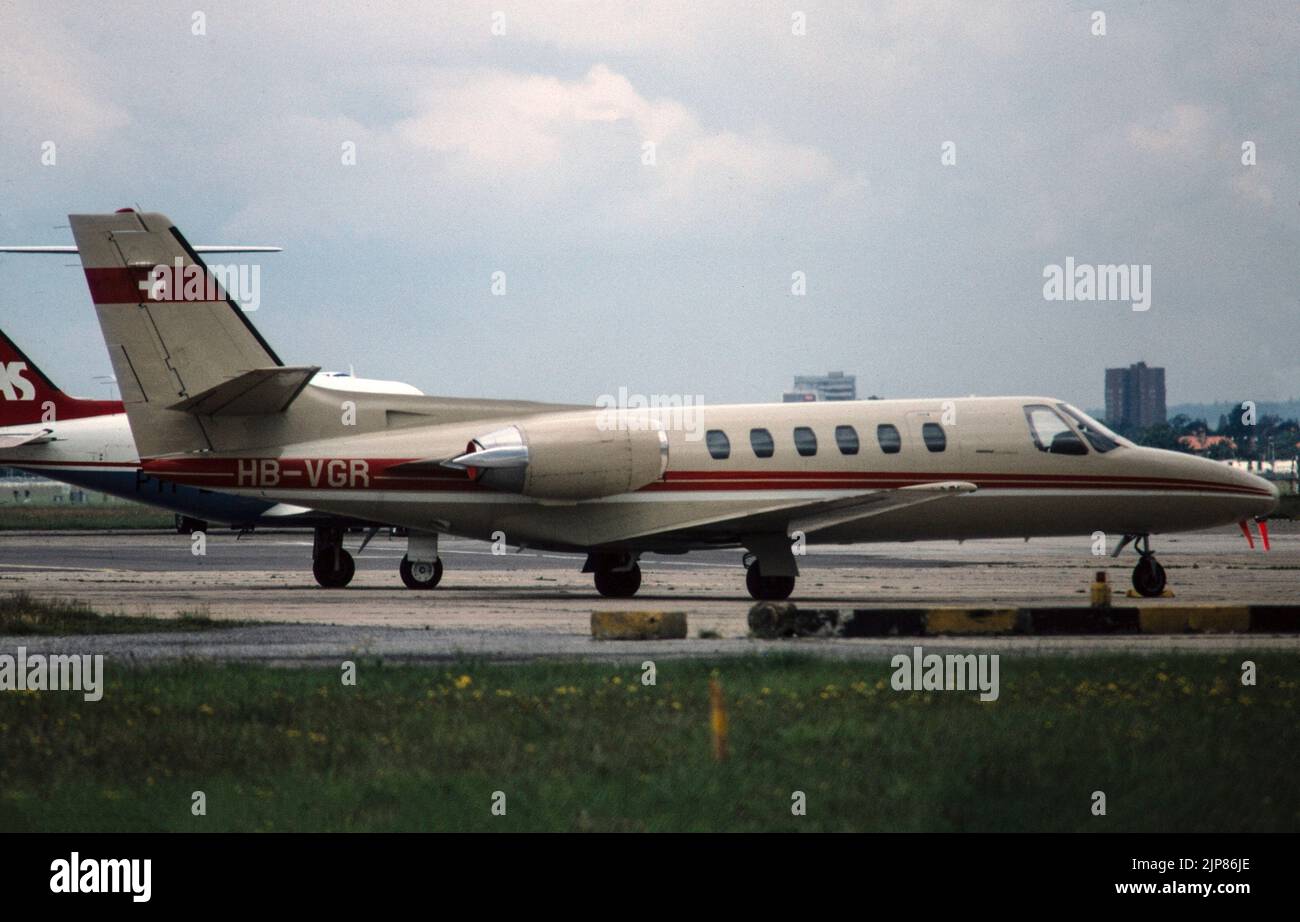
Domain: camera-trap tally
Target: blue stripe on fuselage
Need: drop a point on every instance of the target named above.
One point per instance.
(136, 485)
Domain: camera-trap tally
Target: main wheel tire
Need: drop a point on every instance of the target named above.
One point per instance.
(768, 588)
(618, 584)
(331, 576)
(420, 575)
(1149, 577)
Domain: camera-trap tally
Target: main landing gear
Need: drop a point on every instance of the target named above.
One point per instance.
(332, 566)
(420, 575)
(421, 568)
(618, 576)
(187, 525)
(1148, 576)
(766, 588)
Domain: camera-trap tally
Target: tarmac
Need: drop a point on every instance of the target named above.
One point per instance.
(530, 604)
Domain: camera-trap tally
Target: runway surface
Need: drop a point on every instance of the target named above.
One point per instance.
(535, 604)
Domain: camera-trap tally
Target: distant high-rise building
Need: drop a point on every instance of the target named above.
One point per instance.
(1135, 396)
(833, 386)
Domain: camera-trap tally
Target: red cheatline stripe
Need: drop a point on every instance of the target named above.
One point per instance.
(916, 475)
(882, 478)
(693, 481)
(415, 484)
(1152, 486)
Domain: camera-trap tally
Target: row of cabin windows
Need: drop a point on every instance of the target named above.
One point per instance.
(805, 440)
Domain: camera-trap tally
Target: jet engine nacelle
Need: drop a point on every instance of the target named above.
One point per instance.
(566, 459)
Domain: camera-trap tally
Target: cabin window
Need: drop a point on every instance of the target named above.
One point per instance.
(847, 438)
(805, 441)
(761, 441)
(891, 443)
(933, 436)
(1051, 433)
(719, 444)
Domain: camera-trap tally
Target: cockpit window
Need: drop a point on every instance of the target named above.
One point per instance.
(1051, 433)
(1099, 437)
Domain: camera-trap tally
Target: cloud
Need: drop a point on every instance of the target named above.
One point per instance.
(1183, 129)
(493, 121)
(552, 159)
(50, 90)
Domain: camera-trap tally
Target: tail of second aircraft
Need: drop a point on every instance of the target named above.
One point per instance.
(27, 395)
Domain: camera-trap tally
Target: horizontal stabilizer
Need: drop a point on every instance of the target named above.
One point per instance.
(259, 392)
(16, 439)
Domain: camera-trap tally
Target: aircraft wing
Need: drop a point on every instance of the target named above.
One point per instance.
(816, 516)
(16, 439)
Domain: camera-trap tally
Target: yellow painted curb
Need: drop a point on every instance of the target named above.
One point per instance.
(1195, 619)
(970, 621)
(638, 625)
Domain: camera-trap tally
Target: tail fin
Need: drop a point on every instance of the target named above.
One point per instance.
(196, 377)
(173, 333)
(28, 396)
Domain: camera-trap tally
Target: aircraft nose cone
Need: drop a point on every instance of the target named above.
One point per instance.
(1267, 497)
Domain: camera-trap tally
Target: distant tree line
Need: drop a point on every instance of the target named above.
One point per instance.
(1268, 435)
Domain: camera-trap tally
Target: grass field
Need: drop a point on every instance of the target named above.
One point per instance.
(1176, 743)
(23, 615)
(87, 515)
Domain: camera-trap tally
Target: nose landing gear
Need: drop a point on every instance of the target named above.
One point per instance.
(1148, 576)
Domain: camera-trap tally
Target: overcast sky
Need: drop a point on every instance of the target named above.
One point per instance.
(774, 153)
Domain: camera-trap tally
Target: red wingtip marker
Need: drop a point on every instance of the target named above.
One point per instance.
(1263, 532)
(1245, 530)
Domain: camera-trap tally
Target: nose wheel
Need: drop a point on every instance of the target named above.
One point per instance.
(1148, 576)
